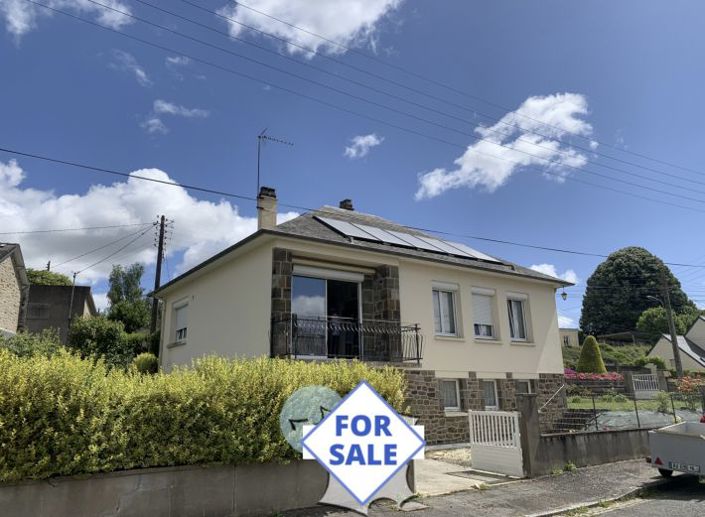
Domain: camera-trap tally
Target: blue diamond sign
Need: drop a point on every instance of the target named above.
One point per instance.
(363, 443)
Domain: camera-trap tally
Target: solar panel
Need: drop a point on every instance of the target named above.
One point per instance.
(473, 252)
(444, 246)
(347, 229)
(382, 235)
(415, 241)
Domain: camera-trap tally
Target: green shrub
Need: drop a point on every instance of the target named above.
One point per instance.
(655, 360)
(663, 401)
(67, 415)
(101, 337)
(25, 344)
(619, 397)
(590, 357)
(146, 363)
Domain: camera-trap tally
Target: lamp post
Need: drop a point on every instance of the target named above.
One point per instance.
(666, 304)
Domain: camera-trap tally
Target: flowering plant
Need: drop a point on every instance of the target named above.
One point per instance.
(609, 376)
(690, 385)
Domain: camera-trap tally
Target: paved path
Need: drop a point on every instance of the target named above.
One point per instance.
(682, 496)
(528, 497)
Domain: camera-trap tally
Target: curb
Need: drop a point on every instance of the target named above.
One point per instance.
(592, 504)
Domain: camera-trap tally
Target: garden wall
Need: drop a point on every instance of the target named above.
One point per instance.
(262, 489)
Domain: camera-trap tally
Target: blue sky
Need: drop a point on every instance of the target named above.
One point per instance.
(625, 74)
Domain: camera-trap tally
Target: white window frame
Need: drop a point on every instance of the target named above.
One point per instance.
(489, 293)
(523, 299)
(452, 289)
(496, 395)
(529, 384)
(457, 395)
(183, 304)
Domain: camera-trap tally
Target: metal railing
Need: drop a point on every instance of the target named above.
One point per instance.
(335, 337)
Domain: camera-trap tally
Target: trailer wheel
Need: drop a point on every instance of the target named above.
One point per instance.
(665, 473)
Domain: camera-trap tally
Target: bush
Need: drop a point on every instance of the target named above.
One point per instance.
(102, 337)
(590, 357)
(655, 360)
(146, 363)
(24, 344)
(663, 401)
(67, 415)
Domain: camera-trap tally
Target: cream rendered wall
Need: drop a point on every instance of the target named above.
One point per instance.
(664, 350)
(455, 356)
(228, 313)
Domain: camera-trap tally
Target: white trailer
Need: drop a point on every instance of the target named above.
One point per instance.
(678, 448)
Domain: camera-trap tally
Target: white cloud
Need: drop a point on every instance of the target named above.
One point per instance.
(566, 322)
(361, 145)
(489, 165)
(346, 22)
(200, 229)
(101, 300)
(162, 107)
(154, 126)
(22, 17)
(126, 62)
(549, 269)
(177, 61)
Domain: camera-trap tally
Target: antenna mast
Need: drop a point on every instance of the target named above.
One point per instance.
(263, 137)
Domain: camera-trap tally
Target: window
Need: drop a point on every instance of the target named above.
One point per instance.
(180, 324)
(489, 395)
(566, 340)
(524, 387)
(450, 394)
(517, 322)
(444, 312)
(482, 309)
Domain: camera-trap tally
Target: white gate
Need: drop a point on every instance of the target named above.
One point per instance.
(645, 386)
(495, 442)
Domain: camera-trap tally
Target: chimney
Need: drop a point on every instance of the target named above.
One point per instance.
(346, 204)
(266, 208)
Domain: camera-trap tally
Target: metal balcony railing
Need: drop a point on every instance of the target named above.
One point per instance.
(335, 337)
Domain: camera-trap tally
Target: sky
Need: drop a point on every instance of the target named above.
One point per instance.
(571, 125)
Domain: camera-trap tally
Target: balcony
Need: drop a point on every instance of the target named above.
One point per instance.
(344, 338)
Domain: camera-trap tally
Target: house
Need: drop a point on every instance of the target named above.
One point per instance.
(692, 348)
(569, 336)
(54, 306)
(14, 286)
(470, 330)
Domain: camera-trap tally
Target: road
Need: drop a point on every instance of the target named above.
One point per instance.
(682, 496)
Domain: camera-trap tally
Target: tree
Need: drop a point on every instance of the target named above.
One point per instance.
(126, 297)
(617, 292)
(653, 321)
(98, 336)
(590, 360)
(44, 277)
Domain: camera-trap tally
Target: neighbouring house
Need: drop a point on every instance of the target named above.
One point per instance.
(470, 330)
(55, 306)
(14, 287)
(692, 348)
(569, 336)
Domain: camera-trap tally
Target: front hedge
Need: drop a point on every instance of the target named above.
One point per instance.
(65, 415)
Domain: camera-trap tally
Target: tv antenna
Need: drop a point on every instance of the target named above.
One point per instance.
(263, 137)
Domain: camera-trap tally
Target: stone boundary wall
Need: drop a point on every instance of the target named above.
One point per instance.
(224, 490)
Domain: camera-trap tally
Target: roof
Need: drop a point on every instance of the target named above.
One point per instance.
(307, 227)
(694, 351)
(9, 249)
(6, 249)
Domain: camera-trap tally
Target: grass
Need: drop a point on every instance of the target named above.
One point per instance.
(623, 355)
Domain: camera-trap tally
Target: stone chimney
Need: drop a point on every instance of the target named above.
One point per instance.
(346, 204)
(266, 208)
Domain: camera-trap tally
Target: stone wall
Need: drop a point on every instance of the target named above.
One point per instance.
(10, 296)
(447, 427)
(547, 386)
(282, 267)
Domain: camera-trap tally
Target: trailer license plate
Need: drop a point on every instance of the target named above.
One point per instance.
(684, 467)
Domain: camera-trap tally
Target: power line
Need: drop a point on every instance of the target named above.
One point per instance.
(313, 210)
(408, 101)
(142, 233)
(449, 87)
(547, 161)
(52, 230)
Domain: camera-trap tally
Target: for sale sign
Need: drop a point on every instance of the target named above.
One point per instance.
(363, 443)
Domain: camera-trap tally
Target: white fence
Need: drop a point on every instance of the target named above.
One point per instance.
(645, 386)
(495, 442)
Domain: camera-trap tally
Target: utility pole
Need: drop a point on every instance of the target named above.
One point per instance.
(671, 326)
(73, 288)
(157, 275)
(49, 265)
